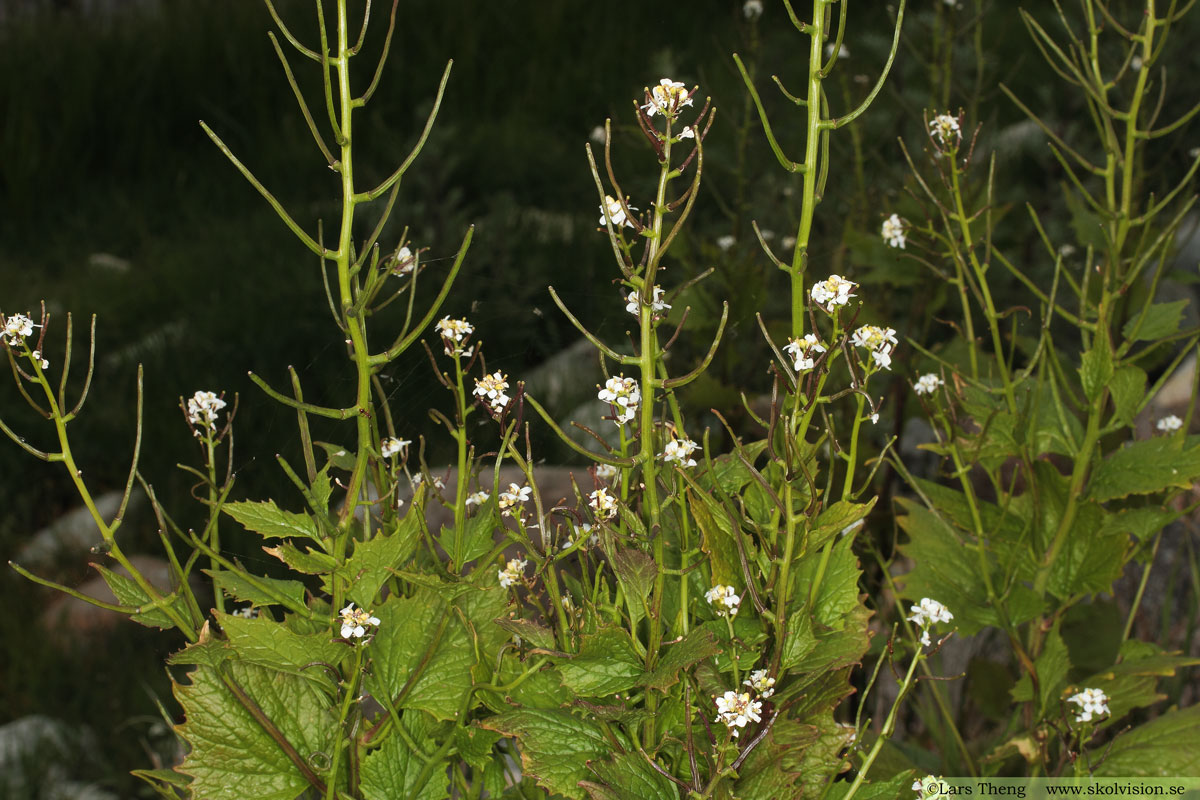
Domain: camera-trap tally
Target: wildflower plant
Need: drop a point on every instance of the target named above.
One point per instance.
(685, 621)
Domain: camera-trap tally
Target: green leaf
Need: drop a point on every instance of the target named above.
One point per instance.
(128, 593)
(1133, 683)
(479, 534)
(555, 746)
(1096, 368)
(474, 745)
(1145, 467)
(373, 562)
(607, 662)
(204, 652)
(628, 776)
(1128, 388)
(265, 642)
(1089, 561)
(729, 472)
(241, 589)
(635, 572)
(809, 650)
(535, 634)
(1162, 320)
(717, 539)
(698, 645)
(763, 775)
(1052, 667)
(266, 519)
(838, 591)
(1162, 748)
(421, 648)
(835, 519)
(232, 756)
(310, 562)
(541, 689)
(392, 771)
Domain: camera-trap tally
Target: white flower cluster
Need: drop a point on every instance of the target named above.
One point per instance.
(603, 503)
(930, 788)
(454, 333)
(669, 97)
(802, 350)
(513, 496)
(928, 383)
(735, 710)
(477, 498)
(723, 599)
(612, 210)
(893, 231)
(680, 452)
(355, 622)
(843, 51)
(926, 614)
(752, 9)
(761, 683)
(392, 446)
(584, 530)
(607, 473)
(944, 127)
(831, 292)
(1169, 424)
(17, 327)
(623, 395)
(1091, 702)
(725, 242)
(491, 389)
(418, 479)
(657, 305)
(202, 410)
(404, 261)
(880, 341)
(513, 572)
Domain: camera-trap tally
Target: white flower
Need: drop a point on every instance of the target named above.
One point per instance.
(603, 503)
(759, 682)
(477, 498)
(623, 395)
(202, 409)
(418, 479)
(17, 327)
(1169, 424)
(735, 710)
(1067, 250)
(249, 612)
(880, 341)
(607, 472)
(583, 530)
(688, 132)
(454, 333)
(680, 451)
(598, 134)
(725, 242)
(512, 496)
(391, 446)
(634, 302)
(928, 383)
(930, 787)
(491, 389)
(1091, 702)
(926, 614)
(752, 9)
(513, 572)
(802, 351)
(669, 97)
(723, 599)
(943, 128)
(788, 242)
(37, 356)
(833, 291)
(1136, 63)
(611, 210)
(405, 261)
(355, 622)
(843, 51)
(893, 231)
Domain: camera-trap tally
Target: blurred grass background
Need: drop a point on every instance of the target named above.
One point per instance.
(115, 202)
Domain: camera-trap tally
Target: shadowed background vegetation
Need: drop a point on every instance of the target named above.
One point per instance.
(115, 202)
